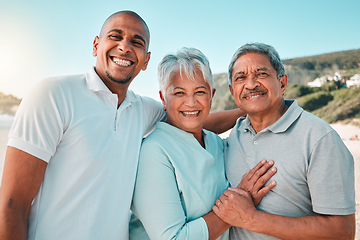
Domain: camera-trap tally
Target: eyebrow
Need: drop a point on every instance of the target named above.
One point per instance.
(262, 69)
(184, 88)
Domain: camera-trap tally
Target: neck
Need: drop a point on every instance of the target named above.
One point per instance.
(199, 138)
(260, 121)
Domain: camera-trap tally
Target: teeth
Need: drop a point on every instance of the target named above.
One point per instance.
(122, 62)
(191, 113)
(254, 96)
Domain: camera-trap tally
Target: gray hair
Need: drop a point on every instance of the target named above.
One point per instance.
(260, 48)
(187, 60)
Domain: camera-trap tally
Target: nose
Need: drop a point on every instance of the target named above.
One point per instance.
(252, 82)
(190, 101)
(124, 46)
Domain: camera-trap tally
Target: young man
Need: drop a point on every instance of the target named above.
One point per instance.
(314, 197)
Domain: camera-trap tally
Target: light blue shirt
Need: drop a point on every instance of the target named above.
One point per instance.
(178, 182)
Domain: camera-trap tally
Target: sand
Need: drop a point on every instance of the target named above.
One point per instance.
(345, 131)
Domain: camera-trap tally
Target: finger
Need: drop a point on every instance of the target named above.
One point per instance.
(218, 203)
(256, 168)
(246, 181)
(262, 192)
(260, 182)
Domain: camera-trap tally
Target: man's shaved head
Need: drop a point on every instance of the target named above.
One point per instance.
(126, 12)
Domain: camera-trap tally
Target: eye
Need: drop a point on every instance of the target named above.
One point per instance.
(200, 92)
(240, 78)
(115, 37)
(179, 94)
(262, 74)
(138, 43)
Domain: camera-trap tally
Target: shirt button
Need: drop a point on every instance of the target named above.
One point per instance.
(255, 142)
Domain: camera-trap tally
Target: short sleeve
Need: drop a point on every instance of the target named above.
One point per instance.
(38, 125)
(157, 200)
(331, 176)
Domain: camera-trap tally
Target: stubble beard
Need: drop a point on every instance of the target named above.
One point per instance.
(120, 81)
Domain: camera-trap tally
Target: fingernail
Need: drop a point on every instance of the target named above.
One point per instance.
(271, 162)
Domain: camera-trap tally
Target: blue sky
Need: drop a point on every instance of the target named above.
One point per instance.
(42, 38)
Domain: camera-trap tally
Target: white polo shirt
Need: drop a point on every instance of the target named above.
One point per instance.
(92, 148)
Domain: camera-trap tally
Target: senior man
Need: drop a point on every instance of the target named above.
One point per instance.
(314, 197)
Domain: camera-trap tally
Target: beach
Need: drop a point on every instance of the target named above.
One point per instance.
(345, 131)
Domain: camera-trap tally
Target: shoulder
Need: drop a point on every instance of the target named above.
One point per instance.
(59, 83)
(314, 124)
(146, 101)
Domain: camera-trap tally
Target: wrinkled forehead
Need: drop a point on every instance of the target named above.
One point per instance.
(252, 62)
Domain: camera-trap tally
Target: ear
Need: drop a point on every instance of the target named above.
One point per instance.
(95, 46)
(283, 83)
(212, 96)
(162, 100)
(146, 61)
(231, 90)
(213, 92)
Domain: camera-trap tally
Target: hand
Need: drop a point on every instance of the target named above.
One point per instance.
(235, 207)
(253, 181)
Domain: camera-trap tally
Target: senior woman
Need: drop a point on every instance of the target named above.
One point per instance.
(181, 166)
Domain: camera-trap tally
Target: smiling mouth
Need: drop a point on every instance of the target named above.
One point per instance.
(191, 114)
(253, 95)
(122, 62)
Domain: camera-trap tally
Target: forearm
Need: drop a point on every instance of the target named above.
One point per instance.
(215, 225)
(309, 227)
(13, 223)
(22, 177)
(220, 122)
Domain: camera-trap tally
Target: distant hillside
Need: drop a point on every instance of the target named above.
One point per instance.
(8, 104)
(305, 69)
(329, 102)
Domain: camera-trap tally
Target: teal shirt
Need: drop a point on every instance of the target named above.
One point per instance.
(178, 182)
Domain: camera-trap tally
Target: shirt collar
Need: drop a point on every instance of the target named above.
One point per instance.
(95, 84)
(289, 117)
(281, 125)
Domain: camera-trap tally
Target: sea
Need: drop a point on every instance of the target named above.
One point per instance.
(5, 124)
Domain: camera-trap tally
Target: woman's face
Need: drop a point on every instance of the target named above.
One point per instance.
(187, 102)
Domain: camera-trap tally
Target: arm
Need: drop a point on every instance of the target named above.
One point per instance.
(253, 182)
(238, 210)
(22, 177)
(162, 213)
(220, 122)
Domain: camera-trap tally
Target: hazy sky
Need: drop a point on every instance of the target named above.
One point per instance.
(42, 38)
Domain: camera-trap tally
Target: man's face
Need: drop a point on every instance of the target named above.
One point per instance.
(256, 88)
(121, 50)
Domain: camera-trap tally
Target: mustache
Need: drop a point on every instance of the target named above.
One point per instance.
(262, 91)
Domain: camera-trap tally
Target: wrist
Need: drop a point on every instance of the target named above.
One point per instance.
(252, 222)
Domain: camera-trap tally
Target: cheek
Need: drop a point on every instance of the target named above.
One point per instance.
(172, 104)
(237, 92)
